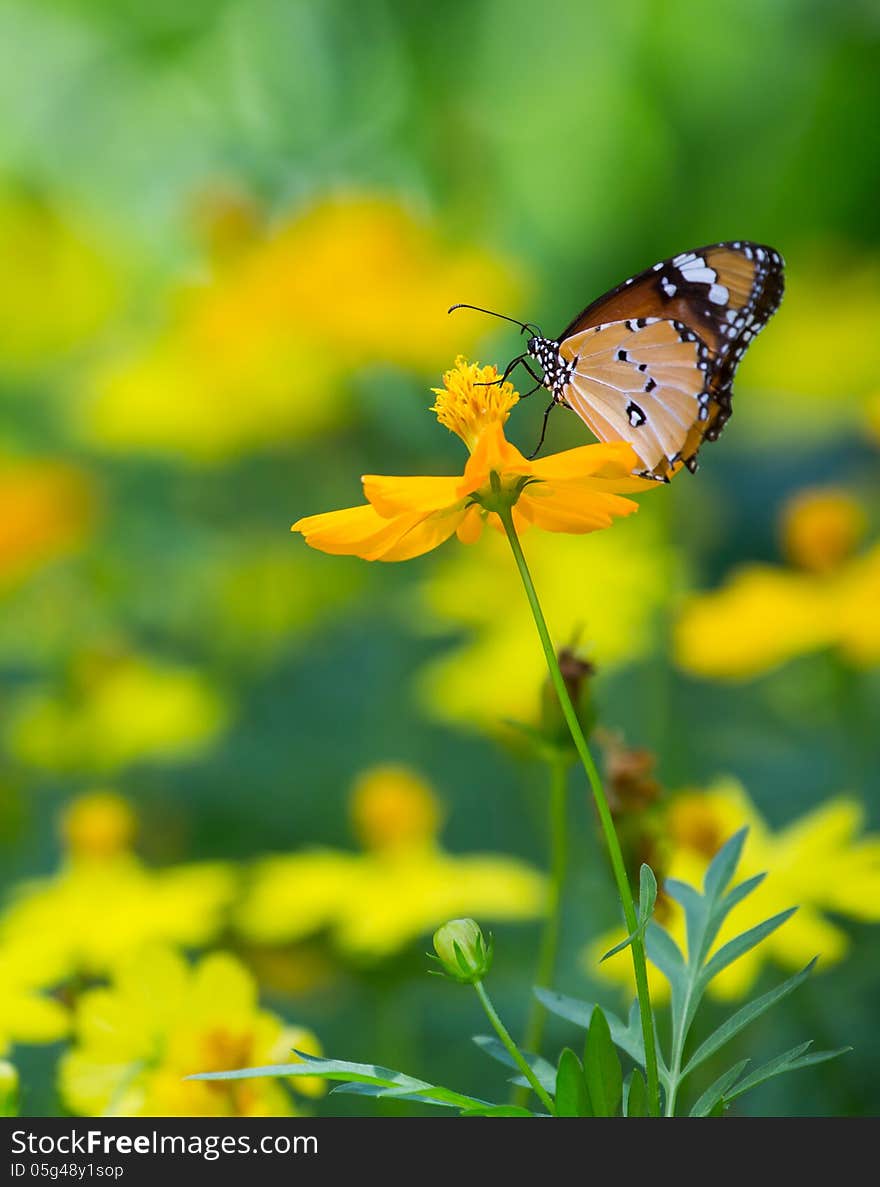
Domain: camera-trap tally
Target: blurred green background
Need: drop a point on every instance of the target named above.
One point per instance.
(231, 231)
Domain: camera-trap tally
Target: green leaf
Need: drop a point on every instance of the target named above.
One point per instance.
(723, 865)
(734, 897)
(663, 951)
(788, 1061)
(741, 1019)
(695, 912)
(572, 1009)
(714, 1094)
(495, 1049)
(571, 1088)
(354, 1073)
(602, 1068)
(499, 1111)
(647, 899)
(743, 943)
(637, 1096)
(647, 892)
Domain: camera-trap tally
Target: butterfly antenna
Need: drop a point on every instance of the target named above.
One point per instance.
(523, 326)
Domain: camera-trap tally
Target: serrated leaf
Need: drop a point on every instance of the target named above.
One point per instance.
(715, 1093)
(723, 865)
(579, 1012)
(788, 1061)
(495, 1049)
(637, 1095)
(743, 943)
(742, 1018)
(571, 1095)
(602, 1068)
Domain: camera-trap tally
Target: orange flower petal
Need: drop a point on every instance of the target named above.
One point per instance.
(354, 531)
(401, 496)
(493, 452)
(568, 508)
(612, 459)
(471, 527)
(421, 537)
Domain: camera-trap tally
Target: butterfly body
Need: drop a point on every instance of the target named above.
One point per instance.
(652, 362)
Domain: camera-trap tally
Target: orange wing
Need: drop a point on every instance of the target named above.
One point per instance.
(723, 294)
(645, 382)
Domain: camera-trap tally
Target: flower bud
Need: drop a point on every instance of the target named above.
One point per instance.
(8, 1089)
(462, 951)
(577, 674)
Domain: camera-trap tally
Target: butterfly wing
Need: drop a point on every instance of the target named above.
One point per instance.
(724, 294)
(644, 381)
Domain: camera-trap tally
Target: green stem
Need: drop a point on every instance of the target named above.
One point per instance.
(512, 1049)
(558, 768)
(623, 887)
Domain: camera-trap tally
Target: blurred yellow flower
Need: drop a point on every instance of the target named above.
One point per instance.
(103, 904)
(764, 616)
(27, 1014)
(161, 1021)
(822, 360)
(46, 511)
(607, 596)
(262, 350)
(821, 863)
(577, 491)
(821, 527)
(61, 285)
(115, 711)
(402, 887)
(393, 808)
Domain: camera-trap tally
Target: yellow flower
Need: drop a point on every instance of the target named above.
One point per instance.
(27, 1014)
(766, 615)
(65, 289)
(392, 808)
(576, 491)
(98, 824)
(160, 1021)
(821, 863)
(104, 903)
(821, 527)
(404, 885)
(261, 351)
(117, 710)
(46, 511)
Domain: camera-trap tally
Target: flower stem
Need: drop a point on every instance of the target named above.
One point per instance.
(558, 769)
(623, 887)
(512, 1049)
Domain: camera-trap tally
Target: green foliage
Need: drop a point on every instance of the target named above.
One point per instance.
(596, 1087)
(647, 899)
(705, 912)
(602, 1068)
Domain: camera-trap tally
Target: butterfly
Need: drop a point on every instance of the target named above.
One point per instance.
(652, 362)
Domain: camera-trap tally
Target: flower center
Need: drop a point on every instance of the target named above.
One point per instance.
(471, 399)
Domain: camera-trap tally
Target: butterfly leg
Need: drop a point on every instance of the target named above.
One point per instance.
(537, 448)
(511, 366)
